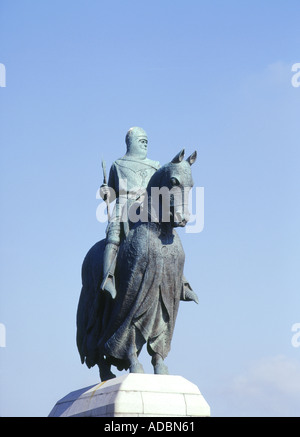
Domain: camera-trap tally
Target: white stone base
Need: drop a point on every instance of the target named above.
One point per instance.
(135, 395)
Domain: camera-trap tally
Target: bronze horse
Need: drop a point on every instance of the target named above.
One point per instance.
(149, 282)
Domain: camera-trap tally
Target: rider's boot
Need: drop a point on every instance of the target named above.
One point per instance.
(187, 293)
(109, 265)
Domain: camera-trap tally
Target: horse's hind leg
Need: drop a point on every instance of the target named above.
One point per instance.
(104, 370)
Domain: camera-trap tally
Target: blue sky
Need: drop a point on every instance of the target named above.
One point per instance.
(208, 75)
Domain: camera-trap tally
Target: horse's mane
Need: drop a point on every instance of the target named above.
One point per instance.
(162, 175)
(155, 180)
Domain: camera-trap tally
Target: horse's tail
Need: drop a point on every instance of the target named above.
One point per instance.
(87, 317)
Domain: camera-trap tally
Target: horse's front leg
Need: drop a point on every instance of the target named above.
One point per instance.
(160, 368)
(135, 366)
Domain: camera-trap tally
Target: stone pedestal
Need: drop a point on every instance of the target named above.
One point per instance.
(135, 395)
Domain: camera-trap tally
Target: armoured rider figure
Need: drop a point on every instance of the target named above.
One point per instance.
(127, 183)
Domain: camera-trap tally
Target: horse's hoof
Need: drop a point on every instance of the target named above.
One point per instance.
(161, 369)
(136, 368)
(105, 376)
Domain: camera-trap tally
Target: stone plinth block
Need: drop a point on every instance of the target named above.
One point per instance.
(135, 395)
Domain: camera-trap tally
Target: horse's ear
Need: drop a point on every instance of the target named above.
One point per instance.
(179, 157)
(191, 159)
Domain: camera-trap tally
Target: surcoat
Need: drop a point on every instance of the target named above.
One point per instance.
(128, 177)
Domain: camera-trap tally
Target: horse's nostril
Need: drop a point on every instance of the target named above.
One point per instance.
(181, 217)
(178, 217)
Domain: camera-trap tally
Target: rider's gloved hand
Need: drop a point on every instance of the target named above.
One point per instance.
(104, 192)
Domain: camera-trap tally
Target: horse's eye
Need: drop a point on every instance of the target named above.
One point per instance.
(174, 182)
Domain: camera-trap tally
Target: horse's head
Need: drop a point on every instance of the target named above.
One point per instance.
(169, 189)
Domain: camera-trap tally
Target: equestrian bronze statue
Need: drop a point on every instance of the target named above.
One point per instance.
(133, 279)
